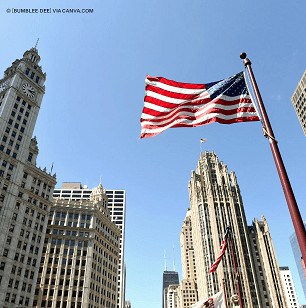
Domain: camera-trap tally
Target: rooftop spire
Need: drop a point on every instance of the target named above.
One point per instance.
(36, 43)
(173, 259)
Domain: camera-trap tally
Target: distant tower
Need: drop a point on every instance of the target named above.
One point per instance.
(188, 288)
(298, 260)
(215, 203)
(298, 100)
(291, 297)
(25, 190)
(169, 278)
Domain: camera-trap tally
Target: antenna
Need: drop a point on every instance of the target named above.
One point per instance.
(173, 259)
(36, 43)
(165, 261)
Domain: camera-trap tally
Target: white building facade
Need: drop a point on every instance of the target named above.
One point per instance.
(25, 190)
(288, 284)
(298, 100)
(188, 293)
(215, 204)
(79, 268)
(117, 207)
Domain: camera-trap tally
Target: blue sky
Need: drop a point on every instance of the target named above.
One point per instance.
(89, 120)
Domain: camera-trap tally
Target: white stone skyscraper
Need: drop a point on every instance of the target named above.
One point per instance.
(291, 297)
(215, 204)
(298, 100)
(187, 293)
(116, 204)
(25, 190)
(79, 268)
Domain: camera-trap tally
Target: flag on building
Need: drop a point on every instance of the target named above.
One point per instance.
(215, 301)
(168, 103)
(221, 253)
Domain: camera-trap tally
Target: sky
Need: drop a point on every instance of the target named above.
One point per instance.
(89, 125)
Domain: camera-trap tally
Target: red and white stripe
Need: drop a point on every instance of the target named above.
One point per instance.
(168, 103)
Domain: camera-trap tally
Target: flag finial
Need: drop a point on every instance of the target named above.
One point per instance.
(243, 55)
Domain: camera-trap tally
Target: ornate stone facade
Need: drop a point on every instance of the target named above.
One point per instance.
(25, 190)
(81, 255)
(215, 203)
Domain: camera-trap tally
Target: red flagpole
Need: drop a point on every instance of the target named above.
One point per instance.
(224, 292)
(289, 195)
(235, 270)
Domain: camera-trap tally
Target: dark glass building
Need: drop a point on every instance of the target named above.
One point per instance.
(169, 278)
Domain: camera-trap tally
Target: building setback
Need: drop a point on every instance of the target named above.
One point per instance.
(25, 190)
(79, 267)
(215, 203)
(116, 203)
(298, 100)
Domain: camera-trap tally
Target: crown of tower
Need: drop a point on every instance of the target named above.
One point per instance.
(30, 59)
(32, 55)
(97, 193)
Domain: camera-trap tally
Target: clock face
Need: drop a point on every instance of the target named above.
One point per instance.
(28, 90)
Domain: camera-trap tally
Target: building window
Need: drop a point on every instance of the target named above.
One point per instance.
(30, 157)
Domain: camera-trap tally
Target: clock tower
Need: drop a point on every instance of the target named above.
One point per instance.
(25, 189)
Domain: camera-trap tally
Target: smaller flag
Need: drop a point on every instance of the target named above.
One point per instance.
(202, 140)
(223, 246)
(215, 301)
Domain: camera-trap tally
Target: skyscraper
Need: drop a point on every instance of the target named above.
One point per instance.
(266, 268)
(298, 100)
(172, 299)
(116, 205)
(169, 278)
(187, 293)
(79, 267)
(288, 284)
(215, 203)
(25, 190)
(298, 260)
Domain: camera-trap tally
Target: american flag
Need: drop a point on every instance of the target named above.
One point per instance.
(168, 103)
(223, 246)
(215, 301)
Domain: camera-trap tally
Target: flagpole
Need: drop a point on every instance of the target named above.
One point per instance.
(289, 195)
(224, 292)
(235, 270)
